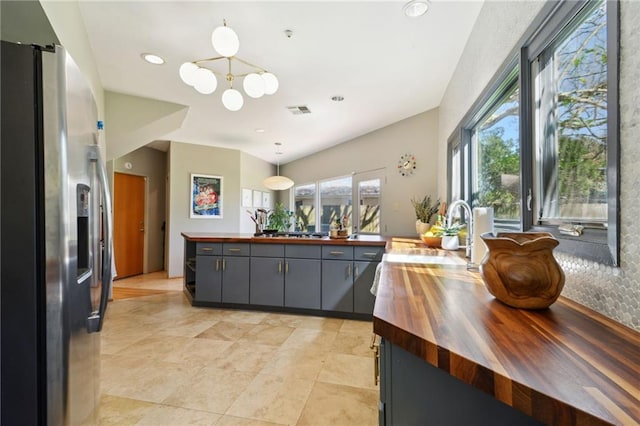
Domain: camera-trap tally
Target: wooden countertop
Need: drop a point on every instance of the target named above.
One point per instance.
(566, 365)
(362, 240)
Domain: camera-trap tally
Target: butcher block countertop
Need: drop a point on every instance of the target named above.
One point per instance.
(565, 365)
(362, 240)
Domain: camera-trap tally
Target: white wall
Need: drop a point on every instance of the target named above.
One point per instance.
(67, 22)
(615, 292)
(253, 172)
(185, 159)
(499, 26)
(382, 148)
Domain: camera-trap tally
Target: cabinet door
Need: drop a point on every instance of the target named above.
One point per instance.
(267, 281)
(363, 274)
(337, 285)
(235, 279)
(302, 283)
(208, 279)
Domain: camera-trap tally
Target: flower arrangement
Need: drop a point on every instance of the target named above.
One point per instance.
(424, 209)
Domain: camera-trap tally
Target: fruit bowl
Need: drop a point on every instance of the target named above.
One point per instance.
(431, 241)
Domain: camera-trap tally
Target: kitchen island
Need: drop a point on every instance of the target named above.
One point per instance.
(452, 354)
(302, 274)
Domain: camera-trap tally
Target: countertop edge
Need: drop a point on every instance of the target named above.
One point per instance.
(512, 389)
(363, 240)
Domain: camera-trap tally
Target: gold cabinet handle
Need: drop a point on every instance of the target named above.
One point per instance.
(279, 266)
(224, 264)
(349, 270)
(286, 267)
(370, 254)
(336, 253)
(375, 347)
(234, 250)
(356, 272)
(217, 265)
(206, 249)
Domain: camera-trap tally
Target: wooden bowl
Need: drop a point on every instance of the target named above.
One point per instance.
(519, 269)
(434, 242)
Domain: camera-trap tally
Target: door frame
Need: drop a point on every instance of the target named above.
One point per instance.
(145, 240)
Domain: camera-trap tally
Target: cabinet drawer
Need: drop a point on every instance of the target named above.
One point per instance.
(209, 249)
(267, 250)
(231, 249)
(337, 252)
(373, 254)
(302, 251)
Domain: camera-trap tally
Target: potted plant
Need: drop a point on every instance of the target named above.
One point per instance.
(280, 218)
(424, 213)
(450, 236)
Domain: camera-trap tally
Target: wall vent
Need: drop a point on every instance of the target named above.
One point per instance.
(300, 109)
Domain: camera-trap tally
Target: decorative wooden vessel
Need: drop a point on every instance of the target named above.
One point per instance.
(519, 269)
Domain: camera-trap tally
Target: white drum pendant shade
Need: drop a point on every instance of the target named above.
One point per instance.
(278, 183)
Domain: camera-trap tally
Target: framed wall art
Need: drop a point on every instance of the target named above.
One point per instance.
(257, 198)
(206, 197)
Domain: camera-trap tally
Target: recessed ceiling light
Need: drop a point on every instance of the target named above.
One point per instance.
(337, 98)
(259, 130)
(416, 8)
(152, 59)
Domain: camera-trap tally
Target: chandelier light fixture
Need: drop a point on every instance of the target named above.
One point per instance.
(277, 182)
(257, 82)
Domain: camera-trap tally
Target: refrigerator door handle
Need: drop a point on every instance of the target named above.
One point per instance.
(94, 322)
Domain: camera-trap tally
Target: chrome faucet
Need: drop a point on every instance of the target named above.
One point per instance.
(452, 208)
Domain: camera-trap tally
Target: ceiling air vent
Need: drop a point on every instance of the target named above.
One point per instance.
(297, 110)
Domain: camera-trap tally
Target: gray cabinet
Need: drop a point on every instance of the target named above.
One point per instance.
(235, 273)
(363, 274)
(366, 260)
(333, 278)
(346, 283)
(208, 272)
(302, 283)
(337, 285)
(414, 392)
(208, 279)
(267, 281)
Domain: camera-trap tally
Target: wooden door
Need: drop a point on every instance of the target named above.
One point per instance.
(128, 224)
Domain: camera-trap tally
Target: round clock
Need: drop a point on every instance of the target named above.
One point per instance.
(406, 164)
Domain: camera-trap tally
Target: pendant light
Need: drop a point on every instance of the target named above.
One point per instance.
(277, 182)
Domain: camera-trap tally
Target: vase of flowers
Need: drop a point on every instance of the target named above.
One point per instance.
(425, 211)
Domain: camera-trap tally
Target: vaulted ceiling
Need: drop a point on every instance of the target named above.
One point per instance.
(386, 66)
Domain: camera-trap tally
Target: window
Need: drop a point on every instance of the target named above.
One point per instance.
(540, 145)
(367, 188)
(570, 86)
(495, 142)
(336, 198)
(335, 202)
(304, 200)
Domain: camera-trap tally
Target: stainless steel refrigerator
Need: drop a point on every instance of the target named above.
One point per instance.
(55, 239)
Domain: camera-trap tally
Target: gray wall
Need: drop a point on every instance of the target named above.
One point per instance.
(615, 292)
(381, 149)
(151, 164)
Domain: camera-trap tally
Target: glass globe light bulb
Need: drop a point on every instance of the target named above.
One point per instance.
(253, 85)
(232, 99)
(225, 41)
(187, 71)
(205, 81)
(270, 83)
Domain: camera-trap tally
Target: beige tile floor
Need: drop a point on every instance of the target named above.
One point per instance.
(165, 362)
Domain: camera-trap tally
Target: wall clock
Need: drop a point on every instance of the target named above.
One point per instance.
(406, 164)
